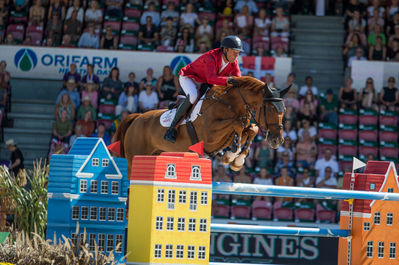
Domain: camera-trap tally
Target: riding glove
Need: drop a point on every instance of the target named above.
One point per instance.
(232, 81)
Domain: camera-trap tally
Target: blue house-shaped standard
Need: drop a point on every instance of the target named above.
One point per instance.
(88, 186)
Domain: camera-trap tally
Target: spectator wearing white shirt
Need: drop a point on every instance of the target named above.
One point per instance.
(308, 86)
(151, 12)
(328, 181)
(189, 17)
(327, 161)
(148, 99)
(94, 14)
(89, 39)
(170, 13)
(79, 10)
(358, 57)
(253, 8)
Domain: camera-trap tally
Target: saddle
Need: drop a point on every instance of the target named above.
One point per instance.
(180, 98)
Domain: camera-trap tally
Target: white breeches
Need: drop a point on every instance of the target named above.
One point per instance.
(189, 87)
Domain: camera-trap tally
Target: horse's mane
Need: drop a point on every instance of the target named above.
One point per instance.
(246, 82)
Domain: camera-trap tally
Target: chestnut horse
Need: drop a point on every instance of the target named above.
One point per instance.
(225, 115)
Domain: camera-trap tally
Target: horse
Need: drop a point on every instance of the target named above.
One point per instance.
(224, 121)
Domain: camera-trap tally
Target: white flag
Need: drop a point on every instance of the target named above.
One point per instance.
(357, 164)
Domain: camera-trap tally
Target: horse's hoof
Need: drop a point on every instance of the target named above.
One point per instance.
(239, 161)
(235, 168)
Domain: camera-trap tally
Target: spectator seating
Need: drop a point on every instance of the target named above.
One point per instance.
(261, 210)
(36, 33)
(281, 212)
(324, 215)
(17, 31)
(240, 209)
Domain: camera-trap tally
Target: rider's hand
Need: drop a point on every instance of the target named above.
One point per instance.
(232, 81)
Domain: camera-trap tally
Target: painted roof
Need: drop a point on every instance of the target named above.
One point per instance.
(83, 146)
(154, 168)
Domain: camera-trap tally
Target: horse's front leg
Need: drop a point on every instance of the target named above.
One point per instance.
(249, 133)
(234, 150)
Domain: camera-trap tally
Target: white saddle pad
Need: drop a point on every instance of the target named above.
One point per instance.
(167, 117)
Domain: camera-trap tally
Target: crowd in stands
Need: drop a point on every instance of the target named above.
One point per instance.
(168, 25)
(5, 93)
(372, 31)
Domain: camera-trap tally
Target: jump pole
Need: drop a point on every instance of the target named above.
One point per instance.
(278, 230)
(299, 192)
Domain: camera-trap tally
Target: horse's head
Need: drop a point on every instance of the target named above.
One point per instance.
(271, 113)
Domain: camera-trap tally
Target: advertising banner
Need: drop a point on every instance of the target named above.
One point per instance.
(53, 63)
(269, 249)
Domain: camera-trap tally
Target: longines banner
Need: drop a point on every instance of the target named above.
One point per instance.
(277, 250)
(52, 63)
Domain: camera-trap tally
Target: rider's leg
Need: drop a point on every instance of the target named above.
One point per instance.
(190, 89)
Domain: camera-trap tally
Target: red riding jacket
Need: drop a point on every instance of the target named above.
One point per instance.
(206, 69)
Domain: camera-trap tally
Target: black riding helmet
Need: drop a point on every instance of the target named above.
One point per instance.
(232, 42)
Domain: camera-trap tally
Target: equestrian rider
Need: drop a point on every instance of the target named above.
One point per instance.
(214, 67)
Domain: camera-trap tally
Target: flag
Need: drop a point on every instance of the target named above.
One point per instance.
(357, 164)
(260, 66)
(115, 147)
(198, 148)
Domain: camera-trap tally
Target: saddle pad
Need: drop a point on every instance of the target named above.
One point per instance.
(167, 117)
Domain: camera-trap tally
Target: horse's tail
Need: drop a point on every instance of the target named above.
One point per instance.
(121, 131)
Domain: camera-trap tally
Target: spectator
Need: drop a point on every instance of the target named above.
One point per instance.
(73, 26)
(131, 82)
(308, 101)
(376, 20)
(36, 14)
(308, 86)
(358, 57)
(353, 6)
(72, 74)
(249, 3)
(389, 96)
(327, 161)
(93, 14)
(62, 128)
(372, 38)
(168, 33)
(114, 8)
(49, 41)
(91, 92)
(102, 133)
(284, 162)
(54, 28)
(151, 12)
(187, 40)
(21, 6)
(393, 52)
(16, 158)
(392, 9)
(3, 14)
(127, 101)
(347, 97)
(86, 107)
(109, 41)
(244, 21)
(286, 147)
(71, 91)
(306, 180)
(57, 8)
(368, 96)
(90, 76)
(264, 178)
(170, 13)
(78, 134)
(4, 76)
(306, 151)
(189, 18)
(269, 80)
(181, 47)
(378, 52)
(117, 121)
(264, 155)
(67, 105)
(291, 99)
(202, 48)
(148, 34)
(307, 126)
(86, 124)
(149, 77)
(242, 177)
(223, 31)
(393, 36)
(351, 46)
(262, 24)
(279, 52)
(66, 42)
(167, 87)
(204, 33)
(221, 175)
(329, 107)
(89, 39)
(78, 9)
(392, 24)
(112, 86)
(375, 6)
(288, 130)
(357, 23)
(280, 24)
(329, 180)
(27, 41)
(148, 99)
(291, 82)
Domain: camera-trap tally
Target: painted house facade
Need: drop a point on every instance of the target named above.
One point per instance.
(375, 224)
(173, 194)
(90, 187)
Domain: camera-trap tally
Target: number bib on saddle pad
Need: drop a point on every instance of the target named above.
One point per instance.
(167, 117)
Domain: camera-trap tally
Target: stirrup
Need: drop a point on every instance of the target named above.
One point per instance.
(170, 135)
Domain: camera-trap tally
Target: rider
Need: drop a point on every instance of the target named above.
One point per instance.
(214, 67)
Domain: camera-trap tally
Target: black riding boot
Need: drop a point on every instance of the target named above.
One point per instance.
(170, 134)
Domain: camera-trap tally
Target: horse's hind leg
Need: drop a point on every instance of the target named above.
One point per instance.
(248, 136)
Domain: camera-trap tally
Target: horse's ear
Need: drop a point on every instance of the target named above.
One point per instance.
(284, 91)
(268, 91)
